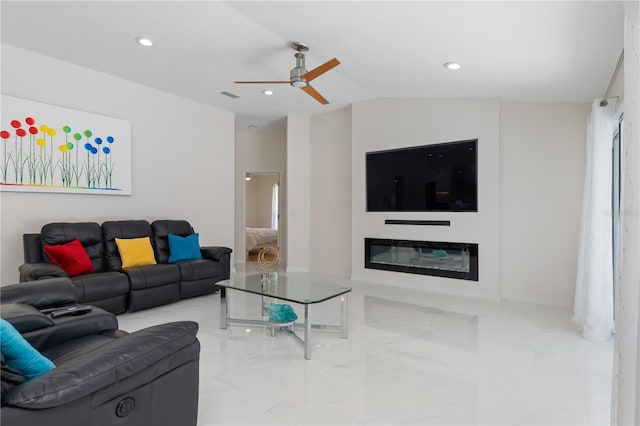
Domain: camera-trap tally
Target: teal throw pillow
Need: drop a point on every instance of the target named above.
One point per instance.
(184, 248)
(20, 355)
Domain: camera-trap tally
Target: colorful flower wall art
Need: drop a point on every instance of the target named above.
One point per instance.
(47, 148)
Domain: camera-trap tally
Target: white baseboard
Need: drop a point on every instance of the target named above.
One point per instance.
(297, 269)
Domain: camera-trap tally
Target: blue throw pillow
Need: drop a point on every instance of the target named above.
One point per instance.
(20, 355)
(184, 248)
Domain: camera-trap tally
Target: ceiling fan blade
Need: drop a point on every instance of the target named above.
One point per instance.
(262, 82)
(315, 95)
(318, 71)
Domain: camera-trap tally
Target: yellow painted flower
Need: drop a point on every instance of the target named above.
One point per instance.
(51, 132)
(43, 128)
(41, 142)
(63, 148)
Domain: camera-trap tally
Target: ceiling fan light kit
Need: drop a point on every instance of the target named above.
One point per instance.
(299, 76)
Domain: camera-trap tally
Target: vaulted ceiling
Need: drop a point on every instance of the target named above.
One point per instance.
(513, 50)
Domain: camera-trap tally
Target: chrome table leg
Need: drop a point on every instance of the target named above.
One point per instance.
(223, 307)
(307, 333)
(344, 316)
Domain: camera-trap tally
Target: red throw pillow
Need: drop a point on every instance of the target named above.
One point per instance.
(71, 257)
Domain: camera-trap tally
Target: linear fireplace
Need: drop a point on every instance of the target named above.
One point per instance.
(441, 259)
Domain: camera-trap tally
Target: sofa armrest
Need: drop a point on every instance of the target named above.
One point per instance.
(215, 253)
(39, 271)
(70, 327)
(41, 294)
(141, 353)
(25, 318)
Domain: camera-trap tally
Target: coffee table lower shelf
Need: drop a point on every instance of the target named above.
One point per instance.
(305, 341)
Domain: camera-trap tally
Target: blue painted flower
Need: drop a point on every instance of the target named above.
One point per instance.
(98, 141)
(110, 139)
(106, 150)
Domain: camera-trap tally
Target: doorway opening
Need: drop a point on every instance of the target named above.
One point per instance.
(261, 212)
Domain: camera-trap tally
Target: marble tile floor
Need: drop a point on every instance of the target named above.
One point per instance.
(412, 358)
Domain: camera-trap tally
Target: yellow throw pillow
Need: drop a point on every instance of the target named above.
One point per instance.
(135, 252)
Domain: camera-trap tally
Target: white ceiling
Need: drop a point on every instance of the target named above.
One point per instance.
(514, 50)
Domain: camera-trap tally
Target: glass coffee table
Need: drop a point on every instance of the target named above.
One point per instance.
(299, 290)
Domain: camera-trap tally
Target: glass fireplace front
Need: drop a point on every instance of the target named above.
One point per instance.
(442, 259)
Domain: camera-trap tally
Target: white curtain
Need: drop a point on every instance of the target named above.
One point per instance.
(274, 207)
(593, 308)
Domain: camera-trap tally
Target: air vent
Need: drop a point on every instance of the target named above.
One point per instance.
(231, 95)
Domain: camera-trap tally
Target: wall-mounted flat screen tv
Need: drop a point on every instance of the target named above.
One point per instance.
(437, 177)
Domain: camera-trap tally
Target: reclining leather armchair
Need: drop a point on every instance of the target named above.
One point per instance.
(103, 376)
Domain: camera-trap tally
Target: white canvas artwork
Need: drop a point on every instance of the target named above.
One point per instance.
(47, 148)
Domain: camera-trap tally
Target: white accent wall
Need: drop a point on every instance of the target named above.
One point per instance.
(542, 166)
(182, 155)
(298, 193)
(331, 192)
(395, 123)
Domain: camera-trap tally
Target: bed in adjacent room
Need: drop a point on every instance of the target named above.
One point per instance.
(258, 238)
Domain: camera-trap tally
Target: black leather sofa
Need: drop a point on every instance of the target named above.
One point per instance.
(115, 289)
(103, 376)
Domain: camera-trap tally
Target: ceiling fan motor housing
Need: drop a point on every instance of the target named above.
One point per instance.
(297, 72)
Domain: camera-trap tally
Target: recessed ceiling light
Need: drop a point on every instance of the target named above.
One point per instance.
(452, 65)
(268, 92)
(143, 41)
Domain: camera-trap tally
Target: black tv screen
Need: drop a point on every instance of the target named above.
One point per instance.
(437, 177)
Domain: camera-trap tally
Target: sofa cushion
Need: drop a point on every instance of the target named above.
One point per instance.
(153, 276)
(135, 252)
(100, 286)
(199, 270)
(88, 233)
(32, 248)
(184, 248)
(20, 355)
(71, 257)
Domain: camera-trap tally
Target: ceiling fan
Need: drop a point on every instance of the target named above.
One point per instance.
(300, 77)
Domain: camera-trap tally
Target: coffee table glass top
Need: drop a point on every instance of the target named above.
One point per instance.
(293, 289)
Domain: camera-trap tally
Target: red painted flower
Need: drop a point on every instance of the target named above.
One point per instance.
(30, 121)
(21, 133)
(16, 124)
(5, 135)
(33, 130)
